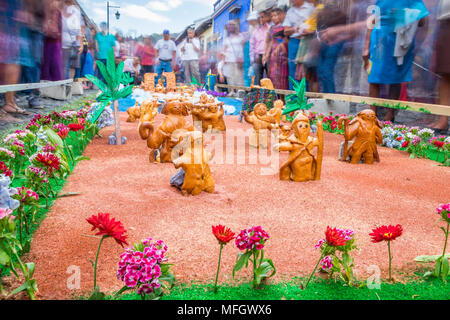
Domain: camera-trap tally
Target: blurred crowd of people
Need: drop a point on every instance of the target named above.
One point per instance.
(379, 40)
(376, 39)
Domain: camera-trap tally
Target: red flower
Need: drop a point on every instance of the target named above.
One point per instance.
(399, 139)
(76, 127)
(222, 234)
(49, 160)
(333, 125)
(108, 227)
(439, 144)
(4, 169)
(405, 144)
(334, 237)
(386, 233)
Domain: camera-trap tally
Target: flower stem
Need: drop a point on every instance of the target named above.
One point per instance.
(446, 240)
(218, 267)
(24, 270)
(390, 260)
(254, 269)
(315, 268)
(96, 259)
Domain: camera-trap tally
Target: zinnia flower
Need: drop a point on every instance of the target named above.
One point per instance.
(62, 130)
(108, 227)
(75, 127)
(335, 237)
(49, 160)
(405, 144)
(386, 233)
(222, 234)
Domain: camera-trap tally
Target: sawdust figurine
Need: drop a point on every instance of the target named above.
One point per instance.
(210, 114)
(161, 137)
(171, 82)
(276, 111)
(262, 123)
(147, 111)
(302, 164)
(285, 133)
(134, 112)
(194, 162)
(149, 81)
(365, 130)
(160, 86)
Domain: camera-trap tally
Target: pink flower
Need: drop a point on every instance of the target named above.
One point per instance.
(5, 213)
(326, 263)
(141, 269)
(253, 238)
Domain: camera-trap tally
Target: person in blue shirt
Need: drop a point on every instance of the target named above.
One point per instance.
(104, 42)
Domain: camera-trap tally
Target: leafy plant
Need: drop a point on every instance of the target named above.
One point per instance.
(145, 268)
(441, 268)
(298, 100)
(252, 241)
(116, 86)
(335, 256)
(9, 257)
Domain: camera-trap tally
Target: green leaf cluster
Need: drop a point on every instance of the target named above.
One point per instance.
(114, 78)
(297, 101)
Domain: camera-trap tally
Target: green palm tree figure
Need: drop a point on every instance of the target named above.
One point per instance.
(116, 86)
(298, 100)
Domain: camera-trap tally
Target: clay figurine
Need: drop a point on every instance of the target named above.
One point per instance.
(276, 111)
(161, 137)
(261, 122)
(148, 111)
(285, 133)
(210, 115)
(302, 164)
(134, 112)
(365, 130)
(194, 163)
(149, 81)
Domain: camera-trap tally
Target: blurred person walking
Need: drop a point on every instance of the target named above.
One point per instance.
(10, 15)
(233, 48)
(295, 17)
(389, 48)
(147, 53)
(71, 38)
(442, 50)
(190, 50)
(277, 52)
(103, 42)
(258, 46)
(331, 15)
(51, 68)
(31, 47)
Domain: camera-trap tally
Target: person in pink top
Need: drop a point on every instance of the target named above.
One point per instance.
(258, 46)
(147, 54)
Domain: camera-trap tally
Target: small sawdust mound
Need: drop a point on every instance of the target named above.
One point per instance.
(120, 180)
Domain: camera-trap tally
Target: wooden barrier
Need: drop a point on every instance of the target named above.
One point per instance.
(396, 104)
(28, 86)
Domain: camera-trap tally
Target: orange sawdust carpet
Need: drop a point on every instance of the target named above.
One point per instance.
(120, 180)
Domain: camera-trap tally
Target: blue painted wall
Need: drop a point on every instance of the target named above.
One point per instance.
(222, 19)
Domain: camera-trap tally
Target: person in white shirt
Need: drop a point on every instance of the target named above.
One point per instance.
(233, 47)
(189, 55)
(295, 17)
(132, 66)
(71, 38)
(166, 50)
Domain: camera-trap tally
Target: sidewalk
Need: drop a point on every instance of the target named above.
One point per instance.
(48, 106)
